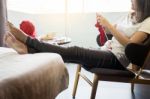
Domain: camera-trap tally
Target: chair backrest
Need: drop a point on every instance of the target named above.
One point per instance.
(146, 64)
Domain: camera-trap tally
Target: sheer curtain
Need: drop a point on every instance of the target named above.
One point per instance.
(70, 10)
(73, 6)
(37, 6)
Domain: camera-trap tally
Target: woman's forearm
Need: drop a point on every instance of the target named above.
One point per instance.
(137, 37)
(119, 36)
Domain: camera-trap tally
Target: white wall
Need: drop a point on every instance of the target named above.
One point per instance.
(80, 27)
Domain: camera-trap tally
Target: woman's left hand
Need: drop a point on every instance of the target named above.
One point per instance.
(102, 21)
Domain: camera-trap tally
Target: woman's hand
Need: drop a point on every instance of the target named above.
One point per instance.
(119, 36)
(102, 21)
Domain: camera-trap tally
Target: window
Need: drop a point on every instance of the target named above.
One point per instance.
(37, 6)
(107, 5)
(72, 6)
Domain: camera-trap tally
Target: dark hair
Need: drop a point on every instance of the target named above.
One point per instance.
(143, 10)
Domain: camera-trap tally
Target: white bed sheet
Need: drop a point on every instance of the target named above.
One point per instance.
(31, 76)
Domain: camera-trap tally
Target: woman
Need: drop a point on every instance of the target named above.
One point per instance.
(113, 59)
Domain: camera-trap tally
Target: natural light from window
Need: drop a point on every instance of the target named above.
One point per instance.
(71, 6)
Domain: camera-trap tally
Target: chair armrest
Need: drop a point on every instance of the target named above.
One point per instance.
(147, 62)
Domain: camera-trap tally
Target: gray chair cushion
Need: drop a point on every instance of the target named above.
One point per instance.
(113, 75)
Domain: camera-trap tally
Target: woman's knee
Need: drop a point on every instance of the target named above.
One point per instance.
(136, 53)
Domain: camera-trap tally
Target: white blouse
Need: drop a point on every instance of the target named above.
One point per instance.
(127, 29)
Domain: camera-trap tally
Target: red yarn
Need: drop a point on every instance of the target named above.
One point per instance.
(28, 28)
(102, 33)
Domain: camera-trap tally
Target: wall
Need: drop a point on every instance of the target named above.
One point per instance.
(80, 27)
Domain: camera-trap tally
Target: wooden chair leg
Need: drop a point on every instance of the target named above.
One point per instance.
(94, 87)
(132, 87)
(76, 81)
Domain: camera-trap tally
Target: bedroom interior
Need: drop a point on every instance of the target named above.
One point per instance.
(29, 76)
(75, 25)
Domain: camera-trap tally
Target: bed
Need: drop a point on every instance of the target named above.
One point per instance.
(31, 76)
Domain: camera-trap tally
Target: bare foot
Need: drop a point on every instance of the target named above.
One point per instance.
(12, 42)
(19, 35)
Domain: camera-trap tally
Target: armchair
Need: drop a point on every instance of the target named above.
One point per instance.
(141, 75)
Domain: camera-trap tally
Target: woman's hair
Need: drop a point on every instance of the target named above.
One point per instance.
(143, 10)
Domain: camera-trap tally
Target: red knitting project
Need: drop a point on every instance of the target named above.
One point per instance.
(102, 33)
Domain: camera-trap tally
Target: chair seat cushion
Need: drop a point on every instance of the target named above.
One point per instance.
(111, 72)
(113, 75)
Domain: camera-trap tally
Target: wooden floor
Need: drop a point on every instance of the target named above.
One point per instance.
(106, 90)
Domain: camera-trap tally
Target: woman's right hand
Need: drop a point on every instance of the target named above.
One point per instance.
(102, 20)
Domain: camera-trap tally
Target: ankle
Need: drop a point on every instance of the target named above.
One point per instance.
(24, 39)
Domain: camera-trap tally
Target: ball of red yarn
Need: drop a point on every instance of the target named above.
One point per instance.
(28, 28)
